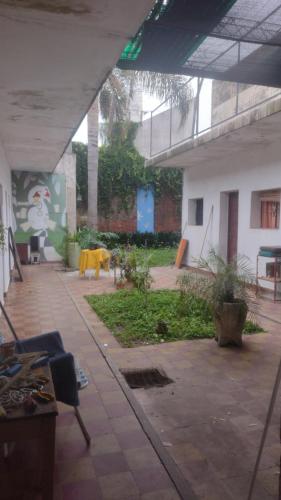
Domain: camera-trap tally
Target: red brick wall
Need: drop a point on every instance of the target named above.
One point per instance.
(119, 220)
(167, 217)
(167, 214)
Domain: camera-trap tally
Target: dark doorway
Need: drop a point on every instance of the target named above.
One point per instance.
(232, 235)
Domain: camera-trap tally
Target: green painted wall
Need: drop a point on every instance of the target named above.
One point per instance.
(40, 209)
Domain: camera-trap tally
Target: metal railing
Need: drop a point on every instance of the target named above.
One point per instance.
(205, 113)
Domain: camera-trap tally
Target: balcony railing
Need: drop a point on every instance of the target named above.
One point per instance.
(208, 109)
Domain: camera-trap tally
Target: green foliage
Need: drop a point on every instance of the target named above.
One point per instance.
(81, 151)
(122, 171)
(62, 248)
(73, 237)
(142, 279)
(229, 281)
(133, 324)
(194, 295)
(150, 240)
(89, 237)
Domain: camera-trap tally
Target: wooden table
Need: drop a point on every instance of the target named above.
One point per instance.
(40, 426)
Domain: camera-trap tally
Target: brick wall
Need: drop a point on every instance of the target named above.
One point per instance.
(167, 217)
(167, 214)
(119, 220)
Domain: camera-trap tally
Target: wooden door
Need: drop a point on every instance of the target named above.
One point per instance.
(232, 236)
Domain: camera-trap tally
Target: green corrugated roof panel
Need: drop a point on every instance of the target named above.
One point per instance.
(225, 39)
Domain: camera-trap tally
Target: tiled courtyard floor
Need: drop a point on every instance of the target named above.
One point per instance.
(210, 420)
(121, 464)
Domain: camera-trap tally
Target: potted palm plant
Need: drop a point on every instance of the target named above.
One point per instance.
(228, 295)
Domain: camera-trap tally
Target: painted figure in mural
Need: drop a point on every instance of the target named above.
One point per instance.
(38, 219)
(38, 214)
(40, 210)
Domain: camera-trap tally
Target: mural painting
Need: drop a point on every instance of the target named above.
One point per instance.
(40, 210)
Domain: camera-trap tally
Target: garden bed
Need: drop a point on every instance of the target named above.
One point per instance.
(161, 318)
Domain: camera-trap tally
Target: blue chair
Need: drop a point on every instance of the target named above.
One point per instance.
(62, 366)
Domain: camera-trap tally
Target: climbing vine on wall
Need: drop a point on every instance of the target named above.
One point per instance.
(122, 171)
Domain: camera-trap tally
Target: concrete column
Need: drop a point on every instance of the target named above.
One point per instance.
(93, 159)
(67, 166)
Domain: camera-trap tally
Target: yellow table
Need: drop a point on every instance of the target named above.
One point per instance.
(94, 259)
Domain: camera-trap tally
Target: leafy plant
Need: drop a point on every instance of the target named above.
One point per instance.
(87, 237)
(72, 238)
(62, 248)
(142, 279)
(229, 281)
(161, 239)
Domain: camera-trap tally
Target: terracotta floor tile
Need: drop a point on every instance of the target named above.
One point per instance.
(106, 443)
(122, 409)
(82, 490)
(140, 458)
(152, 478)
(110, 463)
(210, 419)
(163, 494)
(119, 486)
(125, 423)
(71, 471)
(132, 439)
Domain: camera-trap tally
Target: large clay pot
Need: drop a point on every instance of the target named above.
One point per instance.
(229, 321)
(73, 252)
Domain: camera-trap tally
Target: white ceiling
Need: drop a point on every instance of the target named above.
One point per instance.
(54, 56)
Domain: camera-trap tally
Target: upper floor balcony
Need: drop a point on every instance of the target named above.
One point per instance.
(247, 114)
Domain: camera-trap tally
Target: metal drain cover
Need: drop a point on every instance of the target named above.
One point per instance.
(146, 378)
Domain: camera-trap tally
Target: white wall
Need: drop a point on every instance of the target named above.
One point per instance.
(246, 171)
(67, 166)
(5, 181)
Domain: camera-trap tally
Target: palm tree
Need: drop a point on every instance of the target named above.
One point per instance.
(114, 103)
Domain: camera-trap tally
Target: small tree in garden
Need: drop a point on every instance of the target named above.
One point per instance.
(142, 280)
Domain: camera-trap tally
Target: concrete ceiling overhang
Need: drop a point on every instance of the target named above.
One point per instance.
(54, 56)
(256, 128)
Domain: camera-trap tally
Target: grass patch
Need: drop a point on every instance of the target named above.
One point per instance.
(158, 256)
(125, 314)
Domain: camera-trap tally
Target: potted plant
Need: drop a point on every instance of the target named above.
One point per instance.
(120, 283)
(73, 250)
(228, 296)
